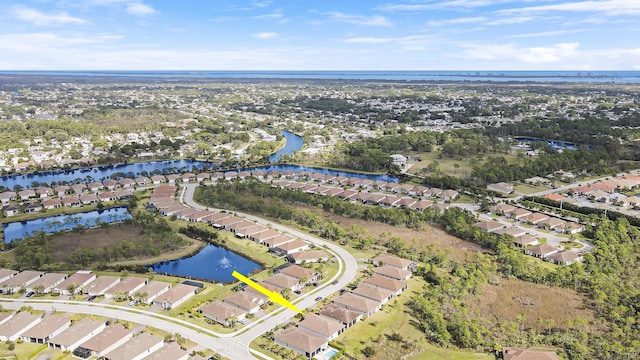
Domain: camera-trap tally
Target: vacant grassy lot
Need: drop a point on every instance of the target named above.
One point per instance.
(511, 298)
(455, 167)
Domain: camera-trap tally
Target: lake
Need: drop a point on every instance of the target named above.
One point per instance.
(20, 230)
(294, 143)
(212, 263)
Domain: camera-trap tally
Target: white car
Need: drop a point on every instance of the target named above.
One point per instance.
(132, 302)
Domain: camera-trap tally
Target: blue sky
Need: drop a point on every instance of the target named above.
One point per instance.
(320, 35)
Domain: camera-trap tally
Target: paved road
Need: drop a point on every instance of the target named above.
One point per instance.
(348, 263)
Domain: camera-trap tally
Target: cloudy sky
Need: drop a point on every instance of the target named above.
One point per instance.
(320, 35)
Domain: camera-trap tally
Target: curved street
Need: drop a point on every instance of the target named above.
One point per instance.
(233, 345)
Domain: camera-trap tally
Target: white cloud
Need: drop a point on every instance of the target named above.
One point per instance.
(449, 4)
(608, 7)
(373, 20)
(466, 20)
(506, 53)
(265, 35)
(546, 33)
(39, 18)
(140, 8)
(368, 40)
(261, 4)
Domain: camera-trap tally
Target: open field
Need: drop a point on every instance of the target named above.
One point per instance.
(509, 299)
(529, 189)
(455, 167)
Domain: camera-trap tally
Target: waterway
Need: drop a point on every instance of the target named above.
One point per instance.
(294, 143)
(212, 263)
(19, 230)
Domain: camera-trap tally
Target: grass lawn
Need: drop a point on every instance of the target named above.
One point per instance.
(543, 264)
(529, 189)
(454, 167)
(21, 351)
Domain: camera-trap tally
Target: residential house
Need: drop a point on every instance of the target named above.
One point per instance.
(78, 188)
(7, 273)
(449, 195)
(534, 218)
(520, 213)
(140, 346)
(366, 307)
(393, 272)
(176, 296)
(7, 196)
(170, 351)
(303, 275)
(222, 313)
(51, 204)
(95, 186)
(383, 282)
(264, 235)
(101, 285)
(421, 205)
(501, 187)
(106, 196)
(21, 280)
(123, 194)
(49, 327)
(541, 251)
(77, 282)
(89, 199)
(512, 230)
(211, 219)
(394, 261)
(526, 240)
(71, 201)
(125, 288)
(158, 179)
(111, 338)
(347, 317)
(18, 324)
(46, 282)
(32, 207)
(489, 225)
(551, 223)
(570, 228)
(566, 257)
(278, 240)
(78, 333)
(26, 194)
(151, 291)
(283, 282)
(374, 293)
(223, 223)
(324, 327)
(250, 230)
(311, 256)
(291, 247)
(246, 301)
(300, 341)
(11, 209)
(502, 209)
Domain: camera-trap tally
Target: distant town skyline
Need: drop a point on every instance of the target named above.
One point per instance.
(320, 35)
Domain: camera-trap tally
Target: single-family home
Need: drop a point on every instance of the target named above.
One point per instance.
(303, 275)
(394, 261)
(283, 282)
(222, 312)
(76, 282)
(139, 347)
(526, 240)
(511, 230)
(46, 283)
(311, 256)
(18, 324)
(502, 209)
(519, 213)
(78, 333)
(7, 196)
(383, 282)
(541, 251)
(148, 293)
(7, 273)
(300, 341)
(501, 187)
(125, 288)
(246, 301)
(374, 293)
(11, 209)
(264, 235)
(111, 338)
(278, 240)
(101, 285)
(26, 194)
(323, 327)
(366, 307)
(49, 327)
(393, 272)
(51, 204)
(23, 279)
(566, 257)
(347, 317)
(176, 296)
(291, 247)
(489, 225)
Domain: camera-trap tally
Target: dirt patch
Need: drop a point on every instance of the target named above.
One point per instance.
(511, 298)
(110, 237)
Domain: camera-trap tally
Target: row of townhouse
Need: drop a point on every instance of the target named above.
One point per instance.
(163, 199)
(311, 336)
(65, 201)
(236, 306)
(539, 220)
(88, 337)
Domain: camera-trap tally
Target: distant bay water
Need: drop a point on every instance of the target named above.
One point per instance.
(466, 76)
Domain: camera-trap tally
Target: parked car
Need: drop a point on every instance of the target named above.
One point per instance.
(132, 302)
(335, 282)
(30, 294)
(319, 298)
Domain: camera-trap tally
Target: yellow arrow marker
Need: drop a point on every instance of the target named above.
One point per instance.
(274, 296)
